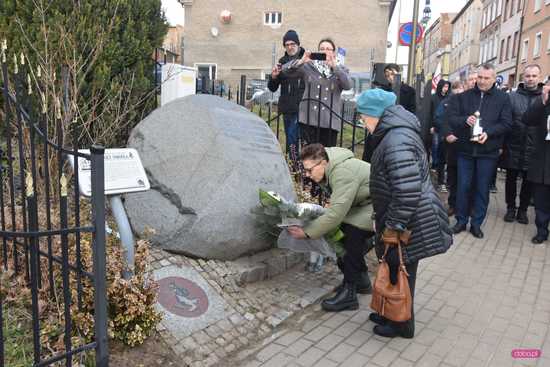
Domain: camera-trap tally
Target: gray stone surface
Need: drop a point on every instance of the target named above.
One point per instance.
(206, 158)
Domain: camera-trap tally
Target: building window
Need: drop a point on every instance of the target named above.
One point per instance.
(273, 18)
(515, 45)
(538, 5)
(548, 43)
(511, 8)
(499, 7)
(508, 41)
(206, 70)
(520, 8)
(538, 44)
(525, 50)
(501, 57)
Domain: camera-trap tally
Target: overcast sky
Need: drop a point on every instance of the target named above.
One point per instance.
(174, 12)
(437, 7)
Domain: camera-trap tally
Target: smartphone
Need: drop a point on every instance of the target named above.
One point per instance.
(318, 56)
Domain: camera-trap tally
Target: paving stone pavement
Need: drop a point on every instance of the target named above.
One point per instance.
(474, 305)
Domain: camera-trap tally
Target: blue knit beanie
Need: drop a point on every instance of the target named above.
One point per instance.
(373, 102)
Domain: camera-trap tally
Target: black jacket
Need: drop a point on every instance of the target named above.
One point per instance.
(292, 87)
(539, 168)
(402, 192)
(519, 143)
(496, 120)
(435, 101)
(407, 96)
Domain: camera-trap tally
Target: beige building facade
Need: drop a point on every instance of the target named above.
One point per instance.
(535, 37)
(249, 40)
(490, 31)
(436, 47)
(465, 42)
(510, 28)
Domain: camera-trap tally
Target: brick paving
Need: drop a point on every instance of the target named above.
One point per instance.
(474, 305)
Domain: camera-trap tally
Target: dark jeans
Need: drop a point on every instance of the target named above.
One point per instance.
(440, 166)
(485, 169)
(451, 173)
(393, 261)
(292, 133)
(327, 137)
(511, 189)
(353, 263)
(435, 150)
(542, 208)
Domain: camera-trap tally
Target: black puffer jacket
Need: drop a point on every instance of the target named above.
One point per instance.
(402, 192)
(519, 143)
(292, 87)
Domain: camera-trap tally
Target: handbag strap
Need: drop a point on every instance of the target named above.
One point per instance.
(399, 251)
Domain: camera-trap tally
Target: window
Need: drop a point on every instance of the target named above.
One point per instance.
(511, 9)
(482, 50)
(508, 41)
(520, 8)
(538, 5)
(205, 70)
(501, 58)
(525, 50)
(538, 44)
(499, 7)
(515, 45)
(548, 44)
(273, 18)
(506, 9)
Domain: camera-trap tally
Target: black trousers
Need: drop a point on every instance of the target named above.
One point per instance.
(441, 161)
(393, 261)
(542, 208)
(313, 134)
(511, 189)
(452, 173)
(353, 263)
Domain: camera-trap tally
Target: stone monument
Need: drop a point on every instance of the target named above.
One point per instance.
(206, 158)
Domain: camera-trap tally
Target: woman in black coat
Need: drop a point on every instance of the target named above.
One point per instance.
(404, 198)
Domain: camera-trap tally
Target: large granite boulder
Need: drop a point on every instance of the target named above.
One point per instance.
(206, 158)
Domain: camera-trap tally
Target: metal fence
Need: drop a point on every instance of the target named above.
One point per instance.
(42, 221)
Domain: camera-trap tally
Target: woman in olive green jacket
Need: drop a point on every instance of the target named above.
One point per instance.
(347, 179)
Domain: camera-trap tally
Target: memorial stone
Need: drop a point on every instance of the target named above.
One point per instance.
(206, 158)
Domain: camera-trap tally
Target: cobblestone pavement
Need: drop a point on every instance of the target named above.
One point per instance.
(474, 305)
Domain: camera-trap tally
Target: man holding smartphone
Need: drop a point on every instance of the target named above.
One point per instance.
(292, 90)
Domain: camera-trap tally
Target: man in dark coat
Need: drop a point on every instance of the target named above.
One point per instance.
(404, 198)
(519, 145)
(407, 94)
(493, 108)
(292, 90)
(539, 169)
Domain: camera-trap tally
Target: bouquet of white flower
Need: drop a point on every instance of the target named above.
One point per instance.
(299, 214)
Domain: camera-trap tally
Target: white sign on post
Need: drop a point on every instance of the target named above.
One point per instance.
(123, 172)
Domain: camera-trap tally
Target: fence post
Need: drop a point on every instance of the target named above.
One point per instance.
(242, 90)
(98, 207)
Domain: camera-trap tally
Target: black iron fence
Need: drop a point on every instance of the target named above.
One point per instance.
(43, 223)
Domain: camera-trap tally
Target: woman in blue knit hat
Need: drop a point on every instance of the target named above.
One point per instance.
(404, 198)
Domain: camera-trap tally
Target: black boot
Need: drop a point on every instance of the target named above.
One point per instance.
(363, 287)
(377, 319)
(522, 217)
(345, 299)
(392, 329)
(510, 215)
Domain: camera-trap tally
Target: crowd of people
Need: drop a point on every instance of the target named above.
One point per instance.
(388, 197)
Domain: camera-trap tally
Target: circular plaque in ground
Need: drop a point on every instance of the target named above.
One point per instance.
(182, 297)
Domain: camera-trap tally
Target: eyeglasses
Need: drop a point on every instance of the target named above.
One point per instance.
(290, 44)
(310, 169)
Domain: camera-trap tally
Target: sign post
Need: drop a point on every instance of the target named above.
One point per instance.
(124, 173)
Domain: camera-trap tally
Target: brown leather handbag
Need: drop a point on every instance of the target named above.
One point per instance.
(394, 302)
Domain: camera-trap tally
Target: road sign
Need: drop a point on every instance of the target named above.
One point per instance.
(405, 33)
(123, 172)
(500, 80)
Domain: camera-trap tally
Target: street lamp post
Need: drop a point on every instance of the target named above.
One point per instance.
(412, 48)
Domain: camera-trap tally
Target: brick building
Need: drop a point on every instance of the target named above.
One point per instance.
(250, 39)
(535, 36)
(436, 47)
